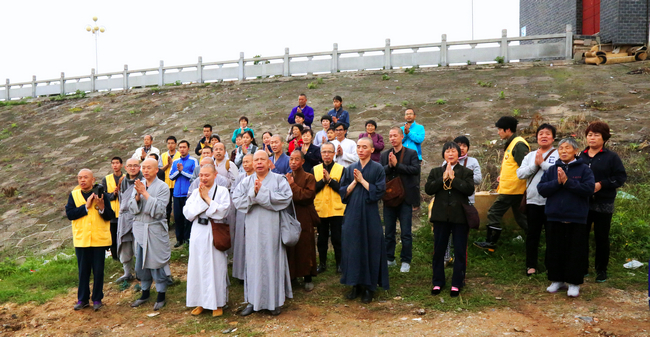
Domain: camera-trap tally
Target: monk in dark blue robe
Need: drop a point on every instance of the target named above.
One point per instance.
(363, 247)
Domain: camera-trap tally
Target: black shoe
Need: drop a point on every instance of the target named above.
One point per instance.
(247, 311)
(436, 291)
(601, 276)
(321, 268)
(454, 293)
(354, 293)
(276, 311)
(80, 305)
(338, 269)
(97, 305)
(489, 246)
(367, 296)
(178, 244)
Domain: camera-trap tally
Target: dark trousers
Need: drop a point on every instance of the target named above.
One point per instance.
(405, 214)
(602, 223)
(536, 222)
(459, 233)
(90, 259)
(183, 227)
(169, 204)
(332, 224)
(114, 240)
(566, 252)
(500, 207)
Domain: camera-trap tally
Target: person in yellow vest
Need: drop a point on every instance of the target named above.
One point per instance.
(165, 165)
(511, 189)
(91, 235)
(111, 183)
(328, 205)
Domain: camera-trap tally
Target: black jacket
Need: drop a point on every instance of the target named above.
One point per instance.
(408, 171)
(447, 206)
(568, 202)
(608, 170)
(312, 158)
(73, 212)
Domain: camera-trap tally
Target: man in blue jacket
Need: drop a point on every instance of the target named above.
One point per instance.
(567, 187)
(413, 133)
(181, 172)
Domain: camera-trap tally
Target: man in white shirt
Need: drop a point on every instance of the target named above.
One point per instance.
(142, 152)
(346, 149)
(225, 167)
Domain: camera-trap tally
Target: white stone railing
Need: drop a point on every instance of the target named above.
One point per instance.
(443, 53)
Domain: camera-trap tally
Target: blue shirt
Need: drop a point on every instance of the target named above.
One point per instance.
(341, 115)
(414, 138)
(307, 111)
(281, 165)
(184, 177)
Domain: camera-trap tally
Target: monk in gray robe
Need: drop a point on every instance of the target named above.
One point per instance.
(219, 180)
(151, 233)
(125, 243)
(262, 196)
(239, 244)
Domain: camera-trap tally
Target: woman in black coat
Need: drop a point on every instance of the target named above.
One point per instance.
(451, 185)
(310, 151)
(609, 174)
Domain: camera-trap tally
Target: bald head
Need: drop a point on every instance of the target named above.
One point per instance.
(207, 174)
(86, 179)
(206, 160)
(219, 151)
(276, 144)
(149, 169)
(368, 141)
(132, 161)
(262, 163)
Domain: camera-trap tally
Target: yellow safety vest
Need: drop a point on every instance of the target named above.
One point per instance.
(90, 230)
(110, 188)
(509, 183)
(165, 160)
(328, 201)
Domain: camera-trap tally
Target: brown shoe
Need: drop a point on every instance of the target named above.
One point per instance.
(217, 313)
(197, 311)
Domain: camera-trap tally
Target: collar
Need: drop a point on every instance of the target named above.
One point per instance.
(509, 140)
(328, 167)
(602, 149)
(171, 155)
(184, 158)
(146, 149)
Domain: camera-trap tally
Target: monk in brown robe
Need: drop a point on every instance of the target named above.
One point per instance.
(302, 257)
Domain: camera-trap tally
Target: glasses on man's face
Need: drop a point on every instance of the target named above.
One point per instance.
(132, 166)
(326, 151)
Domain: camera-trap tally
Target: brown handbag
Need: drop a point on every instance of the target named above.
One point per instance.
(220, 232)
(394, 195)
(522, 204)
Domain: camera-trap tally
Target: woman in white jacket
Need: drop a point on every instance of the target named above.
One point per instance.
(532, 168)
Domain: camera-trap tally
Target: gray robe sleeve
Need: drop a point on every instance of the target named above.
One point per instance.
(274, 196)
(156, 205)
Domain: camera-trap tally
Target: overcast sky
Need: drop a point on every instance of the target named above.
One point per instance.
(45, 38)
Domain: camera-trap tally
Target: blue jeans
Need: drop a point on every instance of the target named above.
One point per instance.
(405, 214)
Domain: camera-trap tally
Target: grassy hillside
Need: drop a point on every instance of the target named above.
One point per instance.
(45, 142)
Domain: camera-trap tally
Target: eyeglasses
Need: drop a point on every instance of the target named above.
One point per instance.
(327, 151)
(132, 166)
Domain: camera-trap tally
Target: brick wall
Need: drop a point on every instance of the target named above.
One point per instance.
(549, 16)
(624, 21)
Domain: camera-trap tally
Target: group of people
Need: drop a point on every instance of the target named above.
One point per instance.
(241, 205)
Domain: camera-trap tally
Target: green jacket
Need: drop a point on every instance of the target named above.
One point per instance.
(447, 206)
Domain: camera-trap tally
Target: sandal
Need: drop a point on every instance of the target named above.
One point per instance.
(529, 273)
(435, 290)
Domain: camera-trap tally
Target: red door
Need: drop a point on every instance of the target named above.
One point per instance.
(590, 17)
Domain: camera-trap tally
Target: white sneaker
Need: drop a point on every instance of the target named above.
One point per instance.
(574, 290)
(555, 286)
(405, 267)
(392, 263)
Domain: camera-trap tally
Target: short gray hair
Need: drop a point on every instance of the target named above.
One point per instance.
(571, 141)
(328, 144)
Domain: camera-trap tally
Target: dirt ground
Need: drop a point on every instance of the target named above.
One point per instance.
(614, 313)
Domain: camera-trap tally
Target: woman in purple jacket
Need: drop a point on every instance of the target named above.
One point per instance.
(377, 139)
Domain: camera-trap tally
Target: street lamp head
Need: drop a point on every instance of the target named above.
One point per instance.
(88, 28)
(95, 18)
(102, 29)
(95, 28)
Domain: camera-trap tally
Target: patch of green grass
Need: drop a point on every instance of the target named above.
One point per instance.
(12, 103)
(38, 281)
(97, 109)
(175, 84)
(312, 85)
(185, 129)
(77, 95)
(484, 84)
(385, 77)
(388, 105)
(410, 71)
(5, 133)
(352, 106)
(75, 109)
(398, 87)
(405, 103)
(320, 81)
(440, 101)
(516, 112)
(502, 95)
(500, 59)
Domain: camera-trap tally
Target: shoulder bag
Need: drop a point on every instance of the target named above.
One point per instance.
(220, 232)
(395, 195)
(522, 205)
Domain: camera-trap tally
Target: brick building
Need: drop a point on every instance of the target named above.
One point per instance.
(615, 21)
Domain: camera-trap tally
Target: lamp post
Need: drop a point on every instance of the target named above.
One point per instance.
(95, 30)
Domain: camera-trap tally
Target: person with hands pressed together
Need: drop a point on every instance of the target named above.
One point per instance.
(243, 127)
(151, 232)
(310, 151)
(567, 187)
(302, 256)
(207, 267)
(279, 160)
(205, 141)
(165, 165)
(295, 138)
(262, 196)
(451, 185)
(181, 172)
(321, 136)
(91, 236)
(125, 241)
(225, 167)
(142, 152)
(401, 162)
(304, 109)
(346, 149)
(328, 205)
(112, 182)
(248, 146)
(377, 139)
(238, 228)
(414, 133)
(338, 114)
(363, 263)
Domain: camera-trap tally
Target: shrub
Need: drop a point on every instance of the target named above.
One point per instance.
(441, 101)
(311, 85)
(484, 84)
(410, 71)
(502, 95)
(385, 77)
(500, 59)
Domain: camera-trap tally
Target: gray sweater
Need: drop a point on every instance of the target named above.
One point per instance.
(527, 171)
